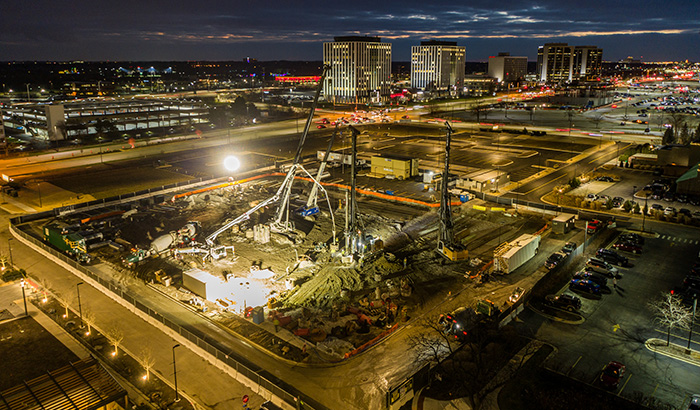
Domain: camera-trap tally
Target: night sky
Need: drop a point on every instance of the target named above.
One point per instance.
(660, 30)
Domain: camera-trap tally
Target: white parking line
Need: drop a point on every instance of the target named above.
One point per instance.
(623, 386)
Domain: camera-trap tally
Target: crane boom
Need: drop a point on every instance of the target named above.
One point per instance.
(286, 187)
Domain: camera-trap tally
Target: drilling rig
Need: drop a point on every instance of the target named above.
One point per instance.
(446, 245)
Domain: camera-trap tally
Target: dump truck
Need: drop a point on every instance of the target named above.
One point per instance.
(72, 244)
(510, 255)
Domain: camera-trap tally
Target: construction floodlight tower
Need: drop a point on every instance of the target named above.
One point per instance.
(446, 245)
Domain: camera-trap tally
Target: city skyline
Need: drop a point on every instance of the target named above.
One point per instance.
(212, 30)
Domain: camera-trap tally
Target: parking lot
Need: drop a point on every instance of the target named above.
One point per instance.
(617, 323)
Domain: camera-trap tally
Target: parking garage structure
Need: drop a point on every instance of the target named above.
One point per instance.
(78, 119)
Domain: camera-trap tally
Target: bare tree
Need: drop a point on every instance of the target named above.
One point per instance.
(45, 288)
(677, 120)
(89, 319)
(65, 300)
(146, 359)
(475, 369)
(115, 336)
(669, 311)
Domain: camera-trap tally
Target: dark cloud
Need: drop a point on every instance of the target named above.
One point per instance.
(207, 29)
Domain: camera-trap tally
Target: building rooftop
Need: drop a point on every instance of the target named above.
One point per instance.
(363, 39)
(438, 43)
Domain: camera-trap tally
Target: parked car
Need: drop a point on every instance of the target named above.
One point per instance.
(601, 266)
(656, 207)
(691, 282)
(605, 179)
(632, 237)
(694, 403)
(564, 301)
(628, 247)
(594, 226)
(569, 248)
(554, 260)
(593, 276)
(670, 211)
(585, 286)
(610, 256)
(612, 374)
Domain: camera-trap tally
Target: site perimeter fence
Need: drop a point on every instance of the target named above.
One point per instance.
(261, 377)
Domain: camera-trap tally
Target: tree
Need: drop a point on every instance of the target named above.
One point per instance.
(473, 370)
(669, 311)
(677, 120)
(65, 300)
(146, 360)
(45, 287)
(89, 319)
(684, 137)
(696, 137)
(115, 336)
(668, 137)
(102, 127)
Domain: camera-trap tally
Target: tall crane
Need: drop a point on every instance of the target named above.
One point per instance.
(446, 245)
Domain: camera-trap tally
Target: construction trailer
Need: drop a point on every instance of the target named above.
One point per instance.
(484, 180)
(511, 255)
(392, 167)
(563, 223)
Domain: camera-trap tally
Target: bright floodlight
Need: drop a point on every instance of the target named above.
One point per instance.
(232, 163)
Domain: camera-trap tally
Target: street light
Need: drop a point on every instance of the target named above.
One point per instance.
(9, 248)
(24, 298)
(80, 307)
(177, 397)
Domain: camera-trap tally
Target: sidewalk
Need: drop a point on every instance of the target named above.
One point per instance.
(214, 388)
(16, 308)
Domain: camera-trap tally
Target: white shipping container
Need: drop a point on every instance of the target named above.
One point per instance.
(508, 258)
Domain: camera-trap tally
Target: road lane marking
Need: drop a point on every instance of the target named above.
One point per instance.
(562, 176)
(574, 365)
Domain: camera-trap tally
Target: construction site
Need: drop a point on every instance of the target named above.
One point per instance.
(336, 266)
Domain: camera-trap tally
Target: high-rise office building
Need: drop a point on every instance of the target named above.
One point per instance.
(555, 62)
(360, 70)
(560, 62)
(438, 65)
(588, 62)
(507, 69)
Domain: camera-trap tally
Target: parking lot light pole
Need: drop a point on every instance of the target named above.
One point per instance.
(80, 307)
(9, 248)
(24, 297)
(644, 211)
